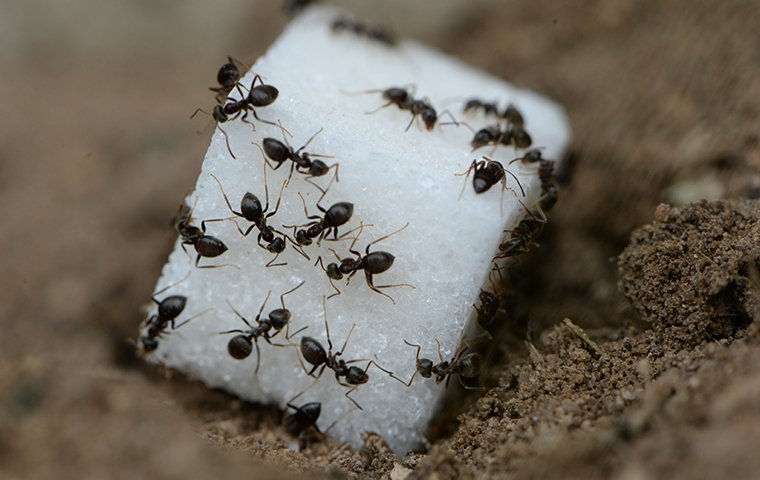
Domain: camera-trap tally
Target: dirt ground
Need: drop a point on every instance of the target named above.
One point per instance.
(664, 102)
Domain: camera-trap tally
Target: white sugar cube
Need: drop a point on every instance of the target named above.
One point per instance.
(392, 177)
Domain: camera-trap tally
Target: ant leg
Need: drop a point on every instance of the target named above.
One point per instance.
(504, 182)
(227, 141)
(263, 155)
(372, 112)
(159, 292)
(258, 356)
(199, 110)
(473, 166)
(203, 312)
(453, 120)
(327, 327)
(306, 212)
(410, 123)
(183, 245)
(346, 342)
(309, 141)
(352, 400)
(271, 264)
(227, 200)
(377, 288)
(241, 317)
(198, 259)
(366, 250)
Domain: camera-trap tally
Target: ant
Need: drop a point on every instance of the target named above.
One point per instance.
(258, 96)
(404, 100)
(549, 190)
(279, 152)
(206, 246)
(250, 209)
(304, 419)
(228, 77)
(490, 304)
(336, 216)
(240, 346)
(511, 114)
(372, 263)
(319, 358)
(377, 33)
(494, 135)
(465, 366)
(488, 173)
(168, 310)
(523, 236)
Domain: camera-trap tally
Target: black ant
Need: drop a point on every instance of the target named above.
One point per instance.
(372, 263)
(404, 100)
(250, 209)
(228, 77)
(319, 358)
(549, 190)
(474, 104)
(488, 173)
(336, 216)
(279, 152)
(377, 33)
(304, 419)
(523, 236)
(511, 114)
(258, 96)
(490, 304)
(240, 346)
(206, 246)
(168, 310)
(494, 135)
(464, 366)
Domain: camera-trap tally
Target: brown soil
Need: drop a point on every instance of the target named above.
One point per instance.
(664, 104)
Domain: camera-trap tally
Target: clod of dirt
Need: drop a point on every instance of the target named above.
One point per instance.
(691, 271)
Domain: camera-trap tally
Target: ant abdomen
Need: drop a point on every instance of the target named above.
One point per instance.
(312, 351)
(240, 347)
(339, 214)
(263, 95)
(171, 307)
(378, 262)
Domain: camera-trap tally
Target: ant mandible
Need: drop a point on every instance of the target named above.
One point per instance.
(372, 263)
(319, 358)
(240, 346)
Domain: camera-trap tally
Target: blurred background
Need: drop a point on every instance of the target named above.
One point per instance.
(97, 152)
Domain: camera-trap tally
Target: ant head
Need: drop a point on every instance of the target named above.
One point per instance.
(469, 365)
(302, 237)
(520, 138)
(250, 207)
(228, 75)
(429, 116)
(425, 367)
(313, 351)
(356, 376)
(304, 417)
(339, 214)
(333, 271)
(263, 95)
(472, 104)
(532, 156)
(318, 168)
(171, 307)
(279, 318)
(240, 347)
(276, 150)
(148, 344)
(220, 116)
